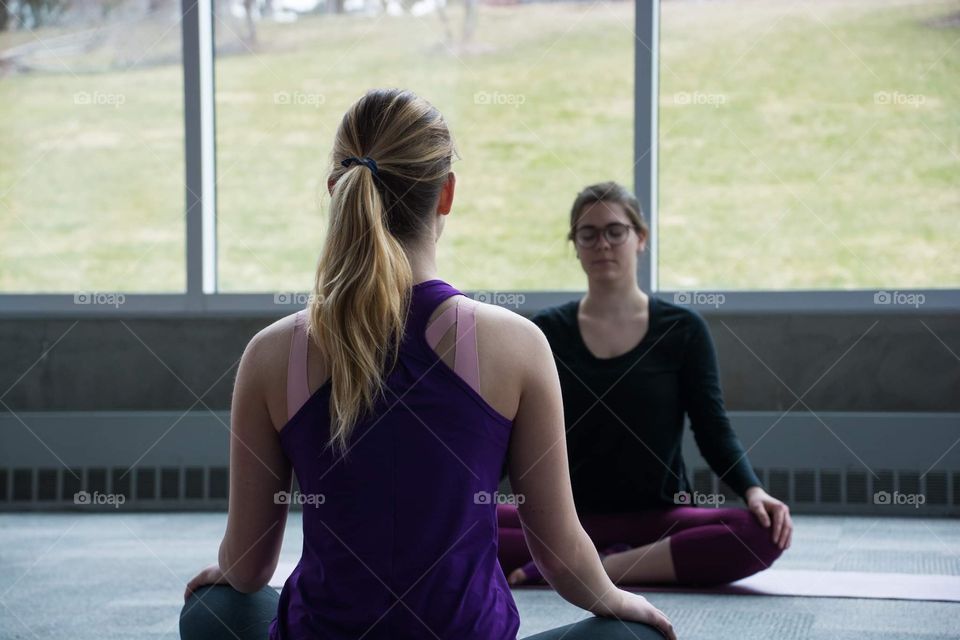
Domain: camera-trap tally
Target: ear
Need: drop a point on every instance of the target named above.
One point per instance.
(330, 183)
(446, 194)
(643, 244)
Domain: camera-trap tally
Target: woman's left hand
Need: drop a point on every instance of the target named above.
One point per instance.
(767, 510)
(209, 575)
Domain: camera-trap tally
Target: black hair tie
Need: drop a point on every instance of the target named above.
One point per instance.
(366, 161)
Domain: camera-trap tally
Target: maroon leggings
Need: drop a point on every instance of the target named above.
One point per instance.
(708, 546)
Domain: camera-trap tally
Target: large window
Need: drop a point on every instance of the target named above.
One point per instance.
(91, 147)
(539, 98)
(790, 155)
(809, 145)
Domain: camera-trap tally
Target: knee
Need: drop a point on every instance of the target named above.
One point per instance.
(194, 616)
(763, 551)
(205, 612)
(608, 629)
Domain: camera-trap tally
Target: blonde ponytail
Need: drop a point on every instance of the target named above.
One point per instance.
(363, 281)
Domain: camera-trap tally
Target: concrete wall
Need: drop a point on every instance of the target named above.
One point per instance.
(903, 362)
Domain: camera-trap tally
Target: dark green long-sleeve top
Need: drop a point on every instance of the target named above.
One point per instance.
(625, 415)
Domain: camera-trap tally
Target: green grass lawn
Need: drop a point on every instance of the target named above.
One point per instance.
(809, 146)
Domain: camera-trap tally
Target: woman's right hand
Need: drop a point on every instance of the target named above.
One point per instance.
(636, 608)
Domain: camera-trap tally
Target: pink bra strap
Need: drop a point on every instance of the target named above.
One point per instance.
(440, 326)
(298, 390)
(465, 361)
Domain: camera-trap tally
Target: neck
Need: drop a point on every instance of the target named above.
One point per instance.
(617, 298)
(423, 261)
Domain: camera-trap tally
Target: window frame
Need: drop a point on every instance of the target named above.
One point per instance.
(201, 296)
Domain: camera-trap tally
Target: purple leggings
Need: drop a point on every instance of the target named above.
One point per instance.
(708, 546)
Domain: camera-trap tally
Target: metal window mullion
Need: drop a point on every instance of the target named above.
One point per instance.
(207, 134)
(200, 193)
(646, 93)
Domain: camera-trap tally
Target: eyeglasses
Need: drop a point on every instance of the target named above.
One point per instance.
(615, 233)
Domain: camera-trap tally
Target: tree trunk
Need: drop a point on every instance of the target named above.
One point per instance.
(469, 20)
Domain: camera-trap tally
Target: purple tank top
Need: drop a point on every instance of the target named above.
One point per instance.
(400, 537)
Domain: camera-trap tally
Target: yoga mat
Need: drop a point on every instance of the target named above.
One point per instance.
(803, 583)
(829, 584)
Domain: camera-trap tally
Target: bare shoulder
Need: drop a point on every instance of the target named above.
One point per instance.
(505, 319)
(515, 336)
(265, 361)
(271, 344)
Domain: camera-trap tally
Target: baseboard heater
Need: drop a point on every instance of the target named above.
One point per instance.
(899, 464)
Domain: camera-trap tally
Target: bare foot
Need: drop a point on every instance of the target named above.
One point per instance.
(517, 576)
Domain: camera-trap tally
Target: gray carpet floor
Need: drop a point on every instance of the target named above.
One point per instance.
(104, 576)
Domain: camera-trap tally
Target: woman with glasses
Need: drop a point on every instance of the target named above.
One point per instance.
(396, 401)
(632, 366)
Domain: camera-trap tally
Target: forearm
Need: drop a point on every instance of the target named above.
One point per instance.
(580, 579)
(223, 560)
(228, 568)
(720, 447)
(738, 475)
(703, 403)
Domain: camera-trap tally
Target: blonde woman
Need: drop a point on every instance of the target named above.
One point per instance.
(396, 400)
